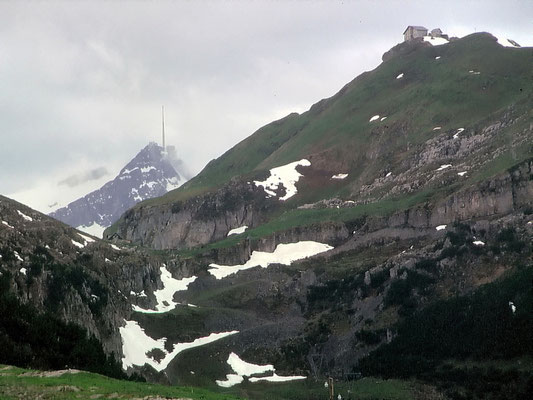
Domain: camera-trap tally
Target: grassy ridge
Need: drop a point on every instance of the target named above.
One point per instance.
(432, 92)
(337, 132)
(16, 383)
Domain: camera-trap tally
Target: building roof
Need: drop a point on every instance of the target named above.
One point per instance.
(415, 27)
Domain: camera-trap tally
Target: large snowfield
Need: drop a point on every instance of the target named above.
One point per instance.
(283, 254)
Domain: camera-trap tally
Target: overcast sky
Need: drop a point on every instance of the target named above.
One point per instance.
(82, 83)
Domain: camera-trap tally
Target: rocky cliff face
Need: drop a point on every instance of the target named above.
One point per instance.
(79, 278)
(198, 221)
(149, 174)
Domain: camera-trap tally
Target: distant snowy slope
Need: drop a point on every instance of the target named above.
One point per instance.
(150, 174)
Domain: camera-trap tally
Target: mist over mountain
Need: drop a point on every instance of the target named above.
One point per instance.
(151, 173)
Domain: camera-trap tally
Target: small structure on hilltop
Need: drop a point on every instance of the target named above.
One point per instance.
(413, 32)
(437, 33)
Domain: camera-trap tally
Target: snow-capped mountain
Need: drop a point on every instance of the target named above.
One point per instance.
(151, 173)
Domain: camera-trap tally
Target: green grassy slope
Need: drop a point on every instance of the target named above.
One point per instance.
(17, 383)
(433, 92)
(473, 84)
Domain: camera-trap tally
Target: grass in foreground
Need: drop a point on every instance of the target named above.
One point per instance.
(18, 383)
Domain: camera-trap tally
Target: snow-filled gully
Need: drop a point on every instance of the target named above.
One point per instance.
(136, 344)
(139, 349)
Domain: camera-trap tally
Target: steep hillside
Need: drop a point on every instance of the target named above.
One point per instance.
(323, 236)
(429, 121)
(151, 173)
(53, 268)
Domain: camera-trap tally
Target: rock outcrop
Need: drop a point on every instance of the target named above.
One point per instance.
(77, 277)
(197, 221)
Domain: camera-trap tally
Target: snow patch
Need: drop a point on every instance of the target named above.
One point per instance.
(478, 243)
(77, 244)
(375, 117)
(277, 378)
(174, 183)
(127, 171)
(383, 119)
(462, 173)
(231, 380)
(474, 72)
(165, 295)
(23, 271)
(437, 58)
(388, 174)
(238, 231)
(400, 76)
(283, 254)
(435, 41)
(507, 42)
(93, 229)
(26, 218)
(339, 176)
(285, 175)
(243, 369)
(136, 343)
(6, 224)
(17, 256)
(136, 196)
(144, 170)
(456, 135)
(86, 238)
(437, 128)
(444, 166)
(440, 227)
(115, 247)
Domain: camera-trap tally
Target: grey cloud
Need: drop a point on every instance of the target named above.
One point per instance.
(75, 180)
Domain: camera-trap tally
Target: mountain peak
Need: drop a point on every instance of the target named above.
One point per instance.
(151, 173)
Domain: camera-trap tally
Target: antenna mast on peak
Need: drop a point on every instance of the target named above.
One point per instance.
(163, 125)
